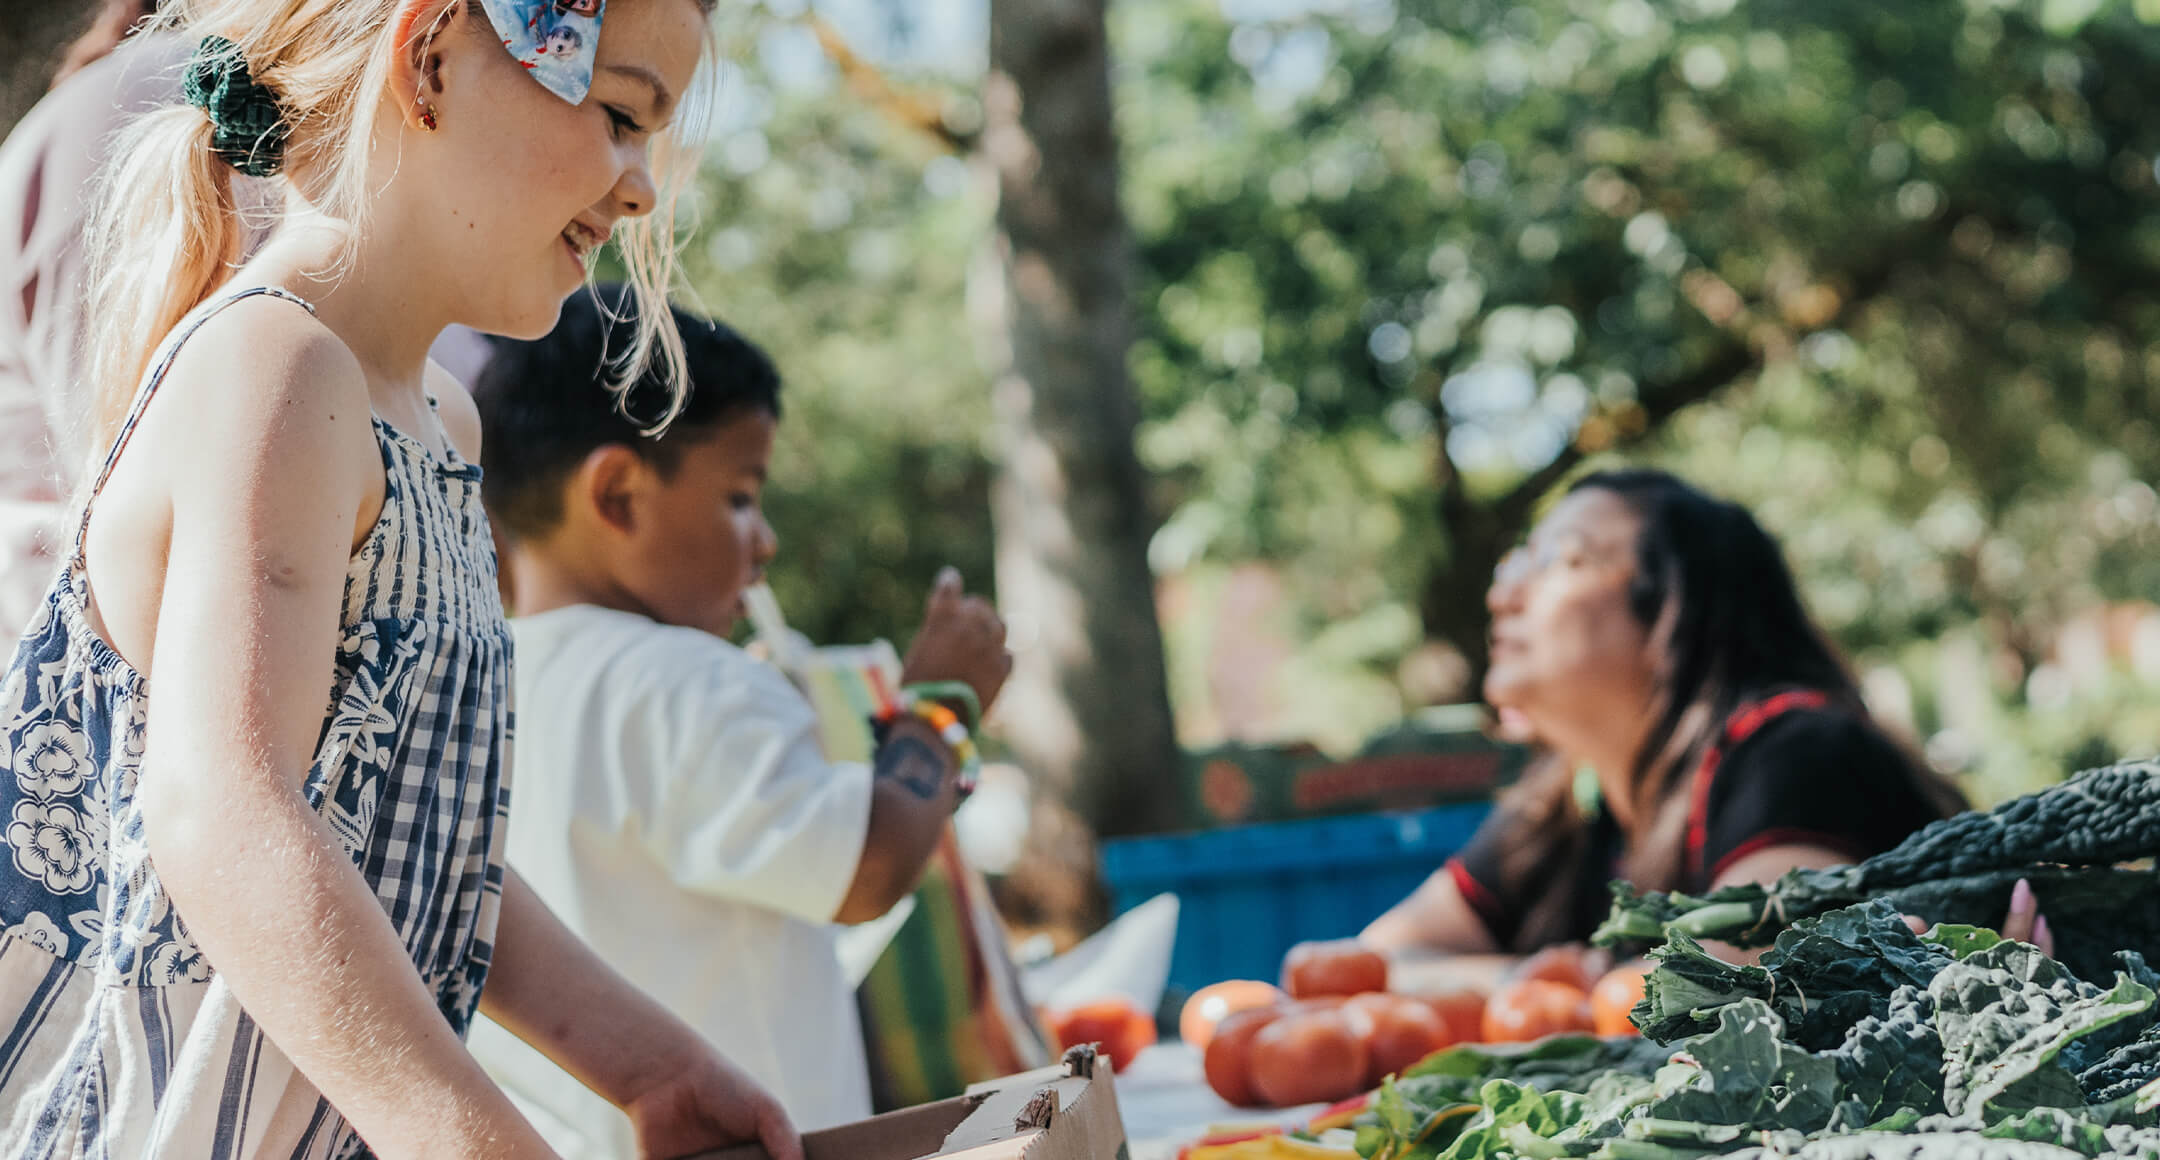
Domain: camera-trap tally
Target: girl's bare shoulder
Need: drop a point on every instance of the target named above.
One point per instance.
(263, 385)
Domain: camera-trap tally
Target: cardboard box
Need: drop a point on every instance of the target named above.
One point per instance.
(1067, 1111)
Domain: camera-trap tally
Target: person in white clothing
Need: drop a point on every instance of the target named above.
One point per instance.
(673, 804)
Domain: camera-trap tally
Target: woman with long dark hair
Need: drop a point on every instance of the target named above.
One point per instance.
(1700, 729)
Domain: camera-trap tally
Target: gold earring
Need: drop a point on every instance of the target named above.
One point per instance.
(427, 116)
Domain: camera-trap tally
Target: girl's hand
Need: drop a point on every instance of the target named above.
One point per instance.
(2024, 923)
(703, 1104)
(962, 639)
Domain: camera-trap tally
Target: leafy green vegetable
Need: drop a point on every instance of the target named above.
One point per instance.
(1562, 1062)
(2114, 1130)
(1688, 986)
(2065, 840)
(1833, 971)
(1514, 1120)
(2097, 818)
(1891, 1066)
(1962, 941)
(1854, 1037)
(2005, 1013)
(2124, 1070)
(1823, 977)
(1749, 1075)
(1921, 1146)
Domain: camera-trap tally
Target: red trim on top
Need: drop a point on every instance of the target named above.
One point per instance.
(1743, 724)
(1787, 836)
(1483, 901)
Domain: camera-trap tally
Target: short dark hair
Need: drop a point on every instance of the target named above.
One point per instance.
(545, 405)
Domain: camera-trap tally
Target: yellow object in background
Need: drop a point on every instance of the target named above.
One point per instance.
(1271, 1148)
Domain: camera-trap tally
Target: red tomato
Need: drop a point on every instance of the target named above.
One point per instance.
(1404, 1031)
(1333, 968)
(1120, 1027)
(1567, 963)
(1209, 1006)
(1463, 1012)
(1535, 1008)
(1613, 1000)
(1316, 1057)
(1229, 1054)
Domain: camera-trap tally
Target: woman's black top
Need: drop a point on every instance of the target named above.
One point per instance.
(1790, 770)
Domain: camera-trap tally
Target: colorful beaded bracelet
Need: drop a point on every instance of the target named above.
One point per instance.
(921, 702)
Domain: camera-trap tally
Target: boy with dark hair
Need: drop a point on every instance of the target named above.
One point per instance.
(674, 806)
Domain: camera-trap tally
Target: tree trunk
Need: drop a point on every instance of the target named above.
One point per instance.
(33, 34)
(1088, 709)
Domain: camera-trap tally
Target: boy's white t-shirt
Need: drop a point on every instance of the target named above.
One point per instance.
(672, 805)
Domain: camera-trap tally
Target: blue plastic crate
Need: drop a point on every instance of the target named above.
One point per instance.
(1248, 894)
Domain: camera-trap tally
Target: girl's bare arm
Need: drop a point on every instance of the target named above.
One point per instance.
(263, 512)
(553, 991)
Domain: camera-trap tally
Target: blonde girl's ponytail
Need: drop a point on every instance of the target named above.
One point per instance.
(167, 235)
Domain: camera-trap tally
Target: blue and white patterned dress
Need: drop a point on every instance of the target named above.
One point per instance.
(117, 1039)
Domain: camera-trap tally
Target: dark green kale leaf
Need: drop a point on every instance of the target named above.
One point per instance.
(1823, 977)
(2124, 1070)
(1892, 1064)
(2089, 1051)
(1688, 987)
(2005, 1014)
(1749, 1075)
(2115, 1130)
(1832, 972)
(1559, 1063)
(2063, 839)
(1920, 1146)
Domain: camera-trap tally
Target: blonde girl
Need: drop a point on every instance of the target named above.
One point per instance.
(253, 749)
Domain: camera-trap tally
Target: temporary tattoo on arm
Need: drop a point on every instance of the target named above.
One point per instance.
(915, 766)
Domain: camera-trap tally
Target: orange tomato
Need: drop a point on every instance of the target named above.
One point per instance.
(1210, 1005)
(1463, 1012)
(1535, 1008)
(1613, 1000)
(1228, 1061)
(1404, 1031)
(1564, 963)
(1333, 968)
(1118, 1025)
(1316, 1057)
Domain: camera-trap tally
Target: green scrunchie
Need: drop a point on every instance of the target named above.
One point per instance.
(247, 129)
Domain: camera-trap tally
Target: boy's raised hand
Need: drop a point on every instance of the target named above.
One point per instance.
(962, 639)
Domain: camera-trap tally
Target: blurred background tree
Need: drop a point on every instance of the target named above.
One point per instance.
(1883, 274)
(1399, 267)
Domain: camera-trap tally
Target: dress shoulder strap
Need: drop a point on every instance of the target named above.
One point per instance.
(163, 362)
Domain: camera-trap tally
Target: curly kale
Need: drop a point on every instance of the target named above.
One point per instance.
(2006, 1013)
(2123, 1071)
(1824, 976)
(2065, 840)
(1892, 1063)
(1854, 1037)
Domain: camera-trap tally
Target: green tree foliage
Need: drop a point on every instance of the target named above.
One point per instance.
(840, 243)
(1883, 273)
(1537, 230)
